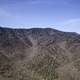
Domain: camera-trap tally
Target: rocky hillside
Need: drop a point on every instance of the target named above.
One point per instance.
(39, 54)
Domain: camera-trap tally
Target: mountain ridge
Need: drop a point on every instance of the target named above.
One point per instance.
(39, 54)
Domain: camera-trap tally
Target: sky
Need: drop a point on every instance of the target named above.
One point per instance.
(59, 14)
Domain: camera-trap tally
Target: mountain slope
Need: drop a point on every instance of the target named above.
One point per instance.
(39, 54)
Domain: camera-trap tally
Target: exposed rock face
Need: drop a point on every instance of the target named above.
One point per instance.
(39, 54)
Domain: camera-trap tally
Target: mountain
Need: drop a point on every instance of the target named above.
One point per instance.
(39, 54)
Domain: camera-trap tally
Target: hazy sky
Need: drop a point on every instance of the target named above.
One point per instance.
(60, 14)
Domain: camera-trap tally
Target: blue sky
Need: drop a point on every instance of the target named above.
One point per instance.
(59, 14)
